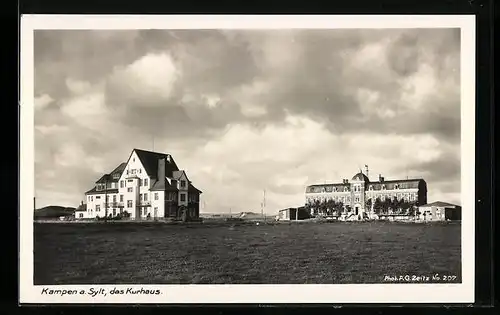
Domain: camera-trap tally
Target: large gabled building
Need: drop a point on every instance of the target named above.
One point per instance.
(148, 185)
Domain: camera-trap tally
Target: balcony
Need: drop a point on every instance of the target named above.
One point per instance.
(115, 204)
(143, 203)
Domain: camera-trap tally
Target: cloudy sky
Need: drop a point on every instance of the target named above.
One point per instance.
(243, 111)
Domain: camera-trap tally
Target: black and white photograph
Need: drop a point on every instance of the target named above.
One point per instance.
(324, 159)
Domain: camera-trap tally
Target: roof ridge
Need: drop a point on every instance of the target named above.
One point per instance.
(149, 151)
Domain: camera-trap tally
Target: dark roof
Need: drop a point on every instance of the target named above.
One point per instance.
(119, 169)
(191, 188)
(110, 177)
(360, 176)
(157, 186)
(327, 187)
(440, 204)
(403, 184)
(150, 160)
(94, 191)
(177, 174)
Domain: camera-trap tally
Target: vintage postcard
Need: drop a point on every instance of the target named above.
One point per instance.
(247, 159)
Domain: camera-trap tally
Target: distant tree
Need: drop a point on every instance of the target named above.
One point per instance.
(378, 206)
(368, 203)
(394, 203)
(317, 205)
(339, 207)
(328, 206)
(385, 205)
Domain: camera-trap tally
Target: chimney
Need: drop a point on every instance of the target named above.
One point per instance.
(380, 178)
(161, 171)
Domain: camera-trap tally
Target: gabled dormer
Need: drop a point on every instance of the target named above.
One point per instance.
(181, 178)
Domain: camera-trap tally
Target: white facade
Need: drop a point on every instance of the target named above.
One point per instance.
(134, 185)
(131, 190)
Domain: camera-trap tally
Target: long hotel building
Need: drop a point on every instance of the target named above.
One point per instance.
(360, 189)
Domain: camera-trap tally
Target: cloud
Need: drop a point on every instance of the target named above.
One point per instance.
(150, 77)
(244, 111)
(42, 101)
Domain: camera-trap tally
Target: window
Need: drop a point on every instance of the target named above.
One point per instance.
(121, 198)
(145, 197)
(371, 187)
(97, 208)
(140, 171)
(383, 187)
(91, 198)
(346, 189)
(114, 198)
(145, 182)
(130, 180)
(97, 197)
(130, 189)
(80, 215)
(183, 183)
(129, 203)
(133, 159)
(133, 172)
(183, 197)
(140, 197)
(156, 196)
(127, 172)
(396, 186)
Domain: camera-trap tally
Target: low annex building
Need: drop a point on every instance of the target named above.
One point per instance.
(148, 185)
(360, 191)
(440, 211)
(288, 214)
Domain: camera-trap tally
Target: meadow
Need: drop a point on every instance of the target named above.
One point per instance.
(297, 253)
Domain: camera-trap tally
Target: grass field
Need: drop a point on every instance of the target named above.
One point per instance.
(151, 253)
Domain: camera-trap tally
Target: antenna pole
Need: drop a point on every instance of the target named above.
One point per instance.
(264, 205)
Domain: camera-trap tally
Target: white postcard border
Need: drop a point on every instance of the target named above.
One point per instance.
(201, 294)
